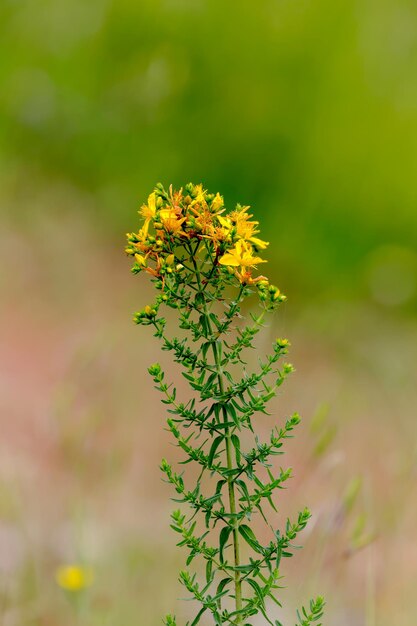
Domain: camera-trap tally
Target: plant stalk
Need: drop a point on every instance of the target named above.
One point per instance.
(231, 487)
(229, 451)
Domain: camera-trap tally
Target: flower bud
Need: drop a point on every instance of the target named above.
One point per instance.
(155, 369)
(149, 311)
(217, 202)
(141, 260)
(282, 343)
(165, 466)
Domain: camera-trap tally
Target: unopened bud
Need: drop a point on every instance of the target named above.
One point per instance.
(140, 259)
(155, 369)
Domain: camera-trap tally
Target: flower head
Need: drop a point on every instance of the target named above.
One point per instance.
(171, 220)
(191, 218)
(241, 255)
(74, 577)
(239, 224)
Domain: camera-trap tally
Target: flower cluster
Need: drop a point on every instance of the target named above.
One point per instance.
(193, 221)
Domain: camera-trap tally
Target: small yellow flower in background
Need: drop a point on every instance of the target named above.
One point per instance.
(74, 577)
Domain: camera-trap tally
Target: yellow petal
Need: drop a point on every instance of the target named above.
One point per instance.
(259, 243)
(255, 260)
(226, 223)
(229, 259)
(152, 202)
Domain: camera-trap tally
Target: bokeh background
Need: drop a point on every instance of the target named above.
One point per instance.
(307, 111)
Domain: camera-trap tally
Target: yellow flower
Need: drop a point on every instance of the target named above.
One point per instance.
(170, 220)
(201, 220)
(202, 217)
(148, 211)
(241, 256)
(219, 233)
(74, 577)
(200, 197)
(244, 228)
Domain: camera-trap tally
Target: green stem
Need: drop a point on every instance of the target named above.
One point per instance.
(231, 487)
(229, 446)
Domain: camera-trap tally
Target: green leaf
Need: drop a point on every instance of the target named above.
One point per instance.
(209, 570)
(242, 485)
(249, 536)
(236, 443)
(213, 449)
(221, 588)
(257, 589)
(231, 411)
(204, 348)
(224, 536)
(243, 568)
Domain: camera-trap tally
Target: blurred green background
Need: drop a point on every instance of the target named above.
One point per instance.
(307, 111)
